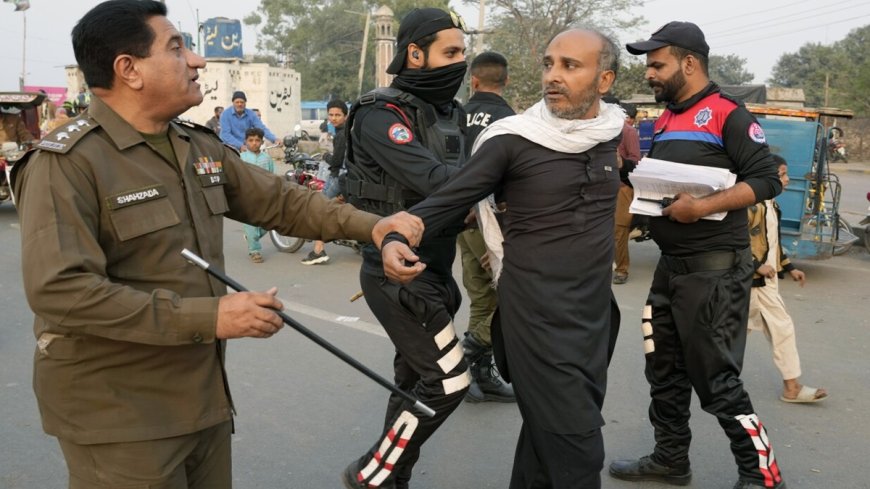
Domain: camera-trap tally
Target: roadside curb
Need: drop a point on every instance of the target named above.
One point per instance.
(865, 171)
(855, 167)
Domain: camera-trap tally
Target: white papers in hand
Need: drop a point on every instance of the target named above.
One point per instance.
(656, 179)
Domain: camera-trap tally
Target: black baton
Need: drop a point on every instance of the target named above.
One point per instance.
(198, 261)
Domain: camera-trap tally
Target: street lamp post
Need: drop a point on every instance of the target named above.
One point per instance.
(22, 6)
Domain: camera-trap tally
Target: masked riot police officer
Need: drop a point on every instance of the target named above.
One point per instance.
(405, 141)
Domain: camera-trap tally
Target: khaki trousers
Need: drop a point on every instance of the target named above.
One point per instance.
(478, 284)
(622, 229)
(767, 314)
(200, 460)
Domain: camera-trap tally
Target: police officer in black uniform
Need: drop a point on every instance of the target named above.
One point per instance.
(405, 141)
(489, 78)
(694, 322)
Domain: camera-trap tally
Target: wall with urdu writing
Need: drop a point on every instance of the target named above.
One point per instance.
(275, 91)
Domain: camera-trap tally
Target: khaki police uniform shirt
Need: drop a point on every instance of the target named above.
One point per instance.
(125, 327)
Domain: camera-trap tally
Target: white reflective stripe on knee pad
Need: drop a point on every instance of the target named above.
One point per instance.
(456, 384)
(647, 313)
(646, 328)
(382, 468)
(451, 359)
(445, 336)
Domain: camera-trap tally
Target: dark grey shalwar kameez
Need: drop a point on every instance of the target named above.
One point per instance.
(554, 294)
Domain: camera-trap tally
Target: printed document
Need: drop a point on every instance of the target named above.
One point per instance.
(655, 179)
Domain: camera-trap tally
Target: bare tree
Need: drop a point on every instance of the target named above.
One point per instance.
(522, 29)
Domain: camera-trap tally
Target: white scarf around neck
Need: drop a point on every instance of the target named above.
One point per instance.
(540, 126)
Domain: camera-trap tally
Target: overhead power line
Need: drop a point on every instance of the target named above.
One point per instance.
(788, 32)
(755, 13)
(743, 28)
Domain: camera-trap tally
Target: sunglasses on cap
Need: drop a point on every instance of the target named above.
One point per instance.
(455, 19)
(458, 21)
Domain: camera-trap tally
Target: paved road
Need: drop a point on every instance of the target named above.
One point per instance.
(303, 415)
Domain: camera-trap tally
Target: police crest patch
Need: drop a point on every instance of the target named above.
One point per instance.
(756, 133)
(703, 117)
(400, 134)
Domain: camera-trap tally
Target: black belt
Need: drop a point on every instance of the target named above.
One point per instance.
(707, 262)
(380, 193)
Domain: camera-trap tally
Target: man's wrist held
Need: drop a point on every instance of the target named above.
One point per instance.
(394, 236)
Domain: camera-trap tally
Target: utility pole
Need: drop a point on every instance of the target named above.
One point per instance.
(827, 86)
(198, 34)
(23, 52)
(362, 56)
(478, 45)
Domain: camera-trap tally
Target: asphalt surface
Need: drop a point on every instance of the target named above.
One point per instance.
(303, 415)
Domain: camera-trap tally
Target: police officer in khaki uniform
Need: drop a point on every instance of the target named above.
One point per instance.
(129, 366)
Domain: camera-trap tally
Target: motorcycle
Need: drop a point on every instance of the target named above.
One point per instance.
(866, 222)
(836, 147)
(311, 172)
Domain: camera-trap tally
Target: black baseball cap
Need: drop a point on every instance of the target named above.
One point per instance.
(684, 35)
(418, 24)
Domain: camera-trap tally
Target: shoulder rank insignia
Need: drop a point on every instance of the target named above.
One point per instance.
(65, 137)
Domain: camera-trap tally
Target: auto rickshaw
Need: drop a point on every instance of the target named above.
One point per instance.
(26, 105)
(811, 226)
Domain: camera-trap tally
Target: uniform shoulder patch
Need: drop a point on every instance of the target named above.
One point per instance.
(400, 134)
(756, 133)
(63, 138)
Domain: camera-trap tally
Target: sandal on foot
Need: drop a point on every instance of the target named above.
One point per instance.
(806, 395)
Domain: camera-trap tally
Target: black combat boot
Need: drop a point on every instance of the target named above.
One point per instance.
(486, 384)
(645, 469)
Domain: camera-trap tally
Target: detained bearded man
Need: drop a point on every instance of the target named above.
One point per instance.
(557, 320)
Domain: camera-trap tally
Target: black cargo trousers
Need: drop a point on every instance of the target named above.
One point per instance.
(418, 317)
(694, 327)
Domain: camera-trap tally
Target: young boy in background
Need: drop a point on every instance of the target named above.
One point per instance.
(766, 309)
(253, 142)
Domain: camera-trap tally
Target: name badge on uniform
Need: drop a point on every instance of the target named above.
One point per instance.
(136, 196)
(210, 172)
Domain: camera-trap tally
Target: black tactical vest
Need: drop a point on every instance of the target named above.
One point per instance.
(369, 187)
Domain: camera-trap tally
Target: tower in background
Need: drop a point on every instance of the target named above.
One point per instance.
(385, 43)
